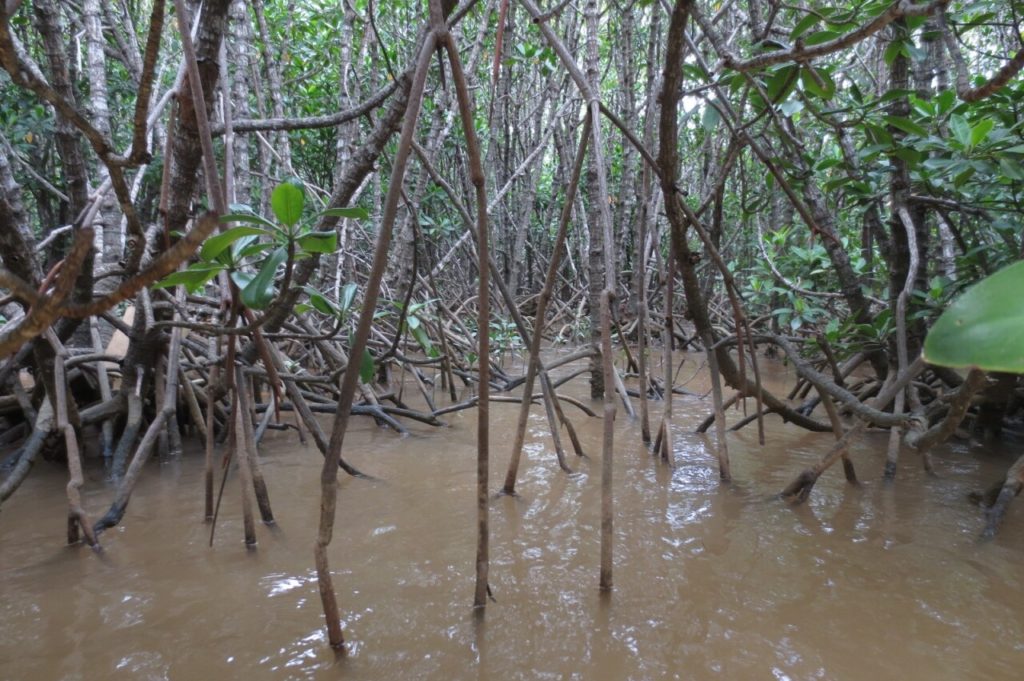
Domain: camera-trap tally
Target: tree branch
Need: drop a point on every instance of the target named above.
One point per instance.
(897, 10)
(312, 122)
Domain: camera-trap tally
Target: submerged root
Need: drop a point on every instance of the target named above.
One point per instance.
(1008, 490)
(995, 513)
(798, 491)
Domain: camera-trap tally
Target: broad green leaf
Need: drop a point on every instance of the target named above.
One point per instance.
(914, 23)
(978, 20)
(945, 100)
(909, 154)
(961, 129)
(906, 125)
(802, 26)
(914, 52)
(980, 131)
(818, 82)
(835, 183)
(319, 242)
(923, 107)
(894, 94)
(192, 279)
(420, 334)
(287, 201)
(893, 50)
(1011, 170)
(244, 249)
(251, 218)
(416, 307)
(984, 327)
(260, 291)
(820, 37)
(242, 279)
(366, 367)
(353, 212)
(791, 106)
(216, 244)
(962, 178)
(348, 294)
(938, 163)
(710, 118)
(320, 302)
(781, 83)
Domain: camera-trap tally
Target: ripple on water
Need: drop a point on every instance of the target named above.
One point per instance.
(280, 584)
(147, 665)
(129, 611)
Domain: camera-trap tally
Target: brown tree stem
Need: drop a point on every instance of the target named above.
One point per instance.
(329, 472)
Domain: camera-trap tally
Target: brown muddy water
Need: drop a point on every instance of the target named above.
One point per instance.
(711, 582)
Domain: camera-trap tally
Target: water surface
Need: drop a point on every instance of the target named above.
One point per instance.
(711, 582)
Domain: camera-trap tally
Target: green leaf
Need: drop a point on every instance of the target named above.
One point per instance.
(906, 125)
(319, 242)
(894, 94)
(1010, 169)
(984, 327)
(962, 178)
(914, 52)
(416, 307)
(835, 184)
(820, 37)
(287, 201)
(215, 245)
(802, 26)
(348, 294)
(353, 212)
(193, 279)
(420, 334)
(710, 118)
(818, 82)
(945, 100)
(251, 218)
(790, 107)
(961, 129)
(321, 303)
(260, 291)
(893, 50)
(909, 154)
(245, 249)
(980, 131)
(366, 367)
(781, 83)
(242, 279)
(923, 107)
